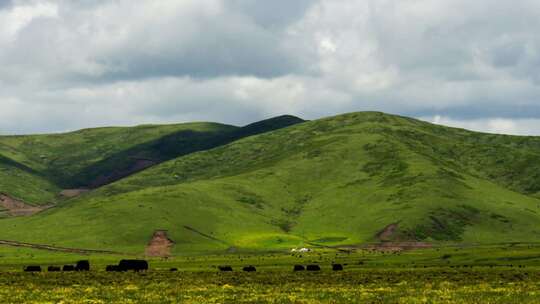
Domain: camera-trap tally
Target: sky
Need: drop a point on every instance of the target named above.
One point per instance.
(71, 64)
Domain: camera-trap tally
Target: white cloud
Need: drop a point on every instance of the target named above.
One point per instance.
(16, 18)
(70, 64)
(491, 125)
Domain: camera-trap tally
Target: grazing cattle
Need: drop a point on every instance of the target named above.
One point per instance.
(250, 269)
(173, 269)
(32, 268)
(68, 268)
(299, 268)
(337, 267)
(82, 266)
(225, 268)
(53, 269)
(112, 268)
(313, 267)
(135, 265)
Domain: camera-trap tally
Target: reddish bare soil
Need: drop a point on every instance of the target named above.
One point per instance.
(160, 245)
(388, 241)
(14, 207)
(387, 233)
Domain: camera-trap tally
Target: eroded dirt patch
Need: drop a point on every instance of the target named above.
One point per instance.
(14, 207)
(160, 245)
(387, 233)
(390, 242)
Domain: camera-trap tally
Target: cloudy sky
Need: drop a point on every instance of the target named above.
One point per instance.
(69, 64)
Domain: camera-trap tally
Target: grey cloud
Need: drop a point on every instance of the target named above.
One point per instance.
(454, 34)
(112, 41)
(273, 14)
(5, 3)
(216, 51)
(508, 55)
(237, 61)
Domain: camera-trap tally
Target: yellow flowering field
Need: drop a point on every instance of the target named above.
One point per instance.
(433, 285)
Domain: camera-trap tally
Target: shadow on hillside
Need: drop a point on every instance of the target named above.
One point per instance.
(11, 163)
(172, 146)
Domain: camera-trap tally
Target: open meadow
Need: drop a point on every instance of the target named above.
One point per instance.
(489, 274)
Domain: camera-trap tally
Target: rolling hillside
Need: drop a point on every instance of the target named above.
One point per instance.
(61, 161)
(36, 168)
(344, 180)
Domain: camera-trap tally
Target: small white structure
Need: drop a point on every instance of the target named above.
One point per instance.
(301, 250)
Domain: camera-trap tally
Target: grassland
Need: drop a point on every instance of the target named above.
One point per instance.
(486, 274)
(53, 162)
(370, 286)
(35, 168)
(333, 182)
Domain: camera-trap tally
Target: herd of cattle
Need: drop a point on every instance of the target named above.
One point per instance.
(123, 265)
(142, 265)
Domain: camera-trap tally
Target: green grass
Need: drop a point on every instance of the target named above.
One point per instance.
(337, 181)
(455, 256)
(372, 286)
(68, 160)
(35, 168)
(461, 274)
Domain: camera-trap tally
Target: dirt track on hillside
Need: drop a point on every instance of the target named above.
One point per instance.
(71, 193)
(397, 246)
(54, 248)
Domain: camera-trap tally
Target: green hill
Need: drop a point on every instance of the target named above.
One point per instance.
(58, 161)
(35, 168)
(344, 180)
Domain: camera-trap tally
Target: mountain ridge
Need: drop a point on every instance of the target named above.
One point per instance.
(335, 181)
(91, 158)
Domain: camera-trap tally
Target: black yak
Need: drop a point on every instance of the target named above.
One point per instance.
(82, 266)
(250, 269)
(135, 265)
(32, 268)
(68, 268)
(313, 267)
(299, 268)
(337, 267)
(225, 268)
(53, 269)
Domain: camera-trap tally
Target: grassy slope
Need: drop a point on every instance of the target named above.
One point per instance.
(181, 142)
(338, 180)
(34, 168)
(24, 183)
